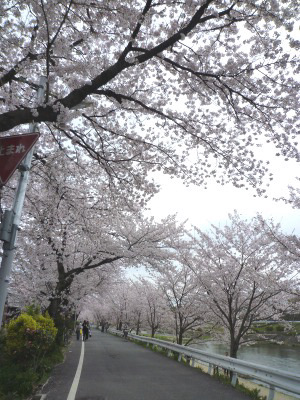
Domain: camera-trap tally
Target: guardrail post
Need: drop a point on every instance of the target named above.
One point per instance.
(193, 362)
(271, 393)
(179, 357)
(169, 353)
(234, 379)
(209, 368)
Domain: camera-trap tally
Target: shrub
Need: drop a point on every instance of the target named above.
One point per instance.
(16, 381)
(29, 338)
(20, 333)
(27, 353)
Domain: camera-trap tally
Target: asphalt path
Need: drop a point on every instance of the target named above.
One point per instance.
(112, 368)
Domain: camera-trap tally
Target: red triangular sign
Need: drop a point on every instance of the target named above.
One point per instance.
(12, 151)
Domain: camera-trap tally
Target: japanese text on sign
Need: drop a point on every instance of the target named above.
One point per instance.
(12, 149)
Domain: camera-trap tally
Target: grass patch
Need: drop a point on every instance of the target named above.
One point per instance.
(167, 338)
(276, 328)
(252, 393)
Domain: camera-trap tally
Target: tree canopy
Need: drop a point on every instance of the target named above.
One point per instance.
(77, 234)
(190, 88)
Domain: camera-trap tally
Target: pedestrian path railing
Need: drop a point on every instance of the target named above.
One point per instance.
(273, 378)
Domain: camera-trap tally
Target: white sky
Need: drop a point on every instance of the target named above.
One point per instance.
(204, 207)
(211, 206)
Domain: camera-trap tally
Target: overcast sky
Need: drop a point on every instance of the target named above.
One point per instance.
(204, 207)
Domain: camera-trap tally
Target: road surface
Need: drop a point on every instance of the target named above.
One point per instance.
(107, 367)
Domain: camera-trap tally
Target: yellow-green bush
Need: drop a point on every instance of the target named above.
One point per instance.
(30, 337)
(20, 333)
(27, 353)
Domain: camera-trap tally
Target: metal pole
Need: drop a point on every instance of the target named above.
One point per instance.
(9, 246)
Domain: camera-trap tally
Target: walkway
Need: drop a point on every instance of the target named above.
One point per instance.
(116, 369)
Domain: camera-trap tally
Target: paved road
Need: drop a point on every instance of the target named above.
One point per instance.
(116, 369)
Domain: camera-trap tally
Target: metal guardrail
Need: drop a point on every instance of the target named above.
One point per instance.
(274, 378)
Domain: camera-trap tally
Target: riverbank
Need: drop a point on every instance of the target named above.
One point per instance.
(280, 339)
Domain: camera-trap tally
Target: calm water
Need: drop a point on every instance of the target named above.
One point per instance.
(282, 357)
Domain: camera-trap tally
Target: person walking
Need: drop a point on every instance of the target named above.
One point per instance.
(89, 328)
(78, 331)
(85, 331)
(125, 331)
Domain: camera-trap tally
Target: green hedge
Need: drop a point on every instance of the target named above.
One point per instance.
(27, 353)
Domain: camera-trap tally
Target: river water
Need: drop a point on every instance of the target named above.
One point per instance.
(283, 357)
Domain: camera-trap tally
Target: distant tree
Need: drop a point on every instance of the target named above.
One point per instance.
(117, 299)
(244, 276)
(101, 304)
(156, 309)
(181, 291)
(290, 242)
(137, 306)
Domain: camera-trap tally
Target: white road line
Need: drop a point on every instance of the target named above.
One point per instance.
(75, 383)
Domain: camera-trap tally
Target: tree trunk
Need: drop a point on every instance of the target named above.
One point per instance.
(54, 306)
(180, 337)
(234, 346)
(138, 325)
(119, 326)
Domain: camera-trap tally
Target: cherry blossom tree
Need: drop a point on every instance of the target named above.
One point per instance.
(138, 303)
(121, 309)
(181, 291)
(189, 88)
(156, 309)
(288, 241)
(111, 305)
(244, 276)
(78, 233)
(137, 306)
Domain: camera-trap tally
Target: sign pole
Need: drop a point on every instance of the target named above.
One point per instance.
(15, 214)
